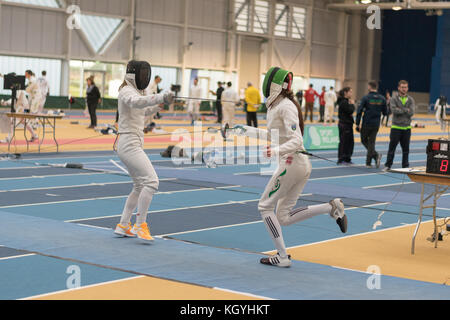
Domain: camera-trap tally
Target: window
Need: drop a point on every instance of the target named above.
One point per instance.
(98, 30)
(19, 65)
(298, 23)
(261, 17)
(108, 77)
(281, 20)
(290, 21)
(42, 3)
(242, 9)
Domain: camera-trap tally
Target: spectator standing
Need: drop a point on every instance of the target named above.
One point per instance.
(231, 99)
(194, 105)
(93, 99)
(45, 90)
(330, 102)
(441, 111)
(403, 108)
(372, 106)
(253, 100)
(385, 118)
(346, 121)
(219, 106)
(299, 96)
(310, 98)
(322, 104)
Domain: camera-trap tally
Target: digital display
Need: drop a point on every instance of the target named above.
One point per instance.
(438, 157)
(444, 166)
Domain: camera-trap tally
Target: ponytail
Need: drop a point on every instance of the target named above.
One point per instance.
(290, 96)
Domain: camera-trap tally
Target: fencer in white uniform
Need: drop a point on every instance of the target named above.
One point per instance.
(20, 106)
(441, 111)
(194, 105)
(330, 102)
(45, 89)
(230, 99)
(133, 104)
(34, 92)
(294, 169)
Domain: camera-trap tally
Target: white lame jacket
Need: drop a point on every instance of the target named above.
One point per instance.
(133, 106)
(283, 118)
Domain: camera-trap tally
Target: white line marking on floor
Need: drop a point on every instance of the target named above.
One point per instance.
(169, 210)
(18, 256)
(254, 222)
(50, 176)
(388, 185)
(100, 198)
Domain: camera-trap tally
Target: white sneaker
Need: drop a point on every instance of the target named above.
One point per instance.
(338, 214)
(277, 261)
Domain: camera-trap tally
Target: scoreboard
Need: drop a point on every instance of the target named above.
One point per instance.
(438, 157)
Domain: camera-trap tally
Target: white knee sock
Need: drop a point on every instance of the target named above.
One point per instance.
(274, 229)
(301, 214)
(130, 206)
(143, 204)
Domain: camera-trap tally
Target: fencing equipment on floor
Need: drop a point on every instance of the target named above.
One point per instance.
(194, 105)
(330, 102)
(44, 87)
(133, 104)
(289, 180)
(229, 108)
(441, 112)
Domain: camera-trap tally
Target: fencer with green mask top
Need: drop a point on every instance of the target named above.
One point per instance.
(284, 120)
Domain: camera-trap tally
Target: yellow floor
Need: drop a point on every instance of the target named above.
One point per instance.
(388, 249)
(146, 288)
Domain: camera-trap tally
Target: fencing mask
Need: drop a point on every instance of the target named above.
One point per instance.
(275, 81)
(142, 71)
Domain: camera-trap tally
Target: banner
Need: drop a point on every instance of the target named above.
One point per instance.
(321, 137)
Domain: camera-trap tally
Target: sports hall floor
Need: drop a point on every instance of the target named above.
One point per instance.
(209, 237)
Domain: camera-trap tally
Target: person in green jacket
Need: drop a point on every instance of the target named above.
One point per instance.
(403, 107)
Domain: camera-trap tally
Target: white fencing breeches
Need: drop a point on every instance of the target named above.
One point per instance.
(285, 187)
(194, 110)
(282, 194)
(228, 114)
(329, 113)
(146, 182)
(42, 105)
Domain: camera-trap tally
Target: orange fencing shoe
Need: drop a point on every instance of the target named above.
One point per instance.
(142, 232)
(124, 231)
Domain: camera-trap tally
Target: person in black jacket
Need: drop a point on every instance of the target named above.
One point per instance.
(93, 98)
(218, 94)
(346, 121)
(373, 106)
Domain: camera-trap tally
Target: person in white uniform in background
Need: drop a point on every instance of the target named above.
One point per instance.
(194, 105)
(20, 106)
(45, 90)
(441, 111)
(230, 99)
(133, 104)
(150, 117)
(34, 92)
(330, 102)
(284, 118)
